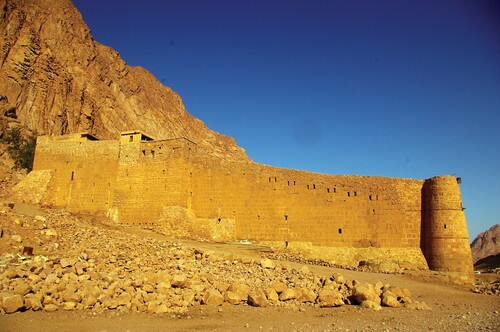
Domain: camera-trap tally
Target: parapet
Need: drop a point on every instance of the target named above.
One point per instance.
(77, 137)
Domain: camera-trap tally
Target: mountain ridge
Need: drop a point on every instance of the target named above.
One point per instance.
(486, 243)
(57, 80)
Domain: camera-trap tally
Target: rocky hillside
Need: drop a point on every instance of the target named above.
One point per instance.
(486, 243)
(55, 78)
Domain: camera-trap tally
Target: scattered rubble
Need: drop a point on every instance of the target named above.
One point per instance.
(488, 288)
(82, 266)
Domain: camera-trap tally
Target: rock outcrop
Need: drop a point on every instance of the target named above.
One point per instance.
(55, 78)
(486, 244)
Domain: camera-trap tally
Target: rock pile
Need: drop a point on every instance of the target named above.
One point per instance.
(101, 267)
(187, 278)
(488, 288)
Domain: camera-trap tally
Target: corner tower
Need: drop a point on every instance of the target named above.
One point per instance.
(445, 239)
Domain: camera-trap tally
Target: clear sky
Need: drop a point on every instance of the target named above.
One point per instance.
(391, 88)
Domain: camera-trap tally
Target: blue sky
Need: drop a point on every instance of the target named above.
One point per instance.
(390, 88)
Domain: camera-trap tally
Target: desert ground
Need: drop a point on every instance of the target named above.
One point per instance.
(114, 253)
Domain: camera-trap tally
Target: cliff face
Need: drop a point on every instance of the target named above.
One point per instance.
(486, 243)
(55, 78)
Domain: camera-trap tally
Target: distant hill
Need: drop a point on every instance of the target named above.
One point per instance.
(55, 78)
(486, 244)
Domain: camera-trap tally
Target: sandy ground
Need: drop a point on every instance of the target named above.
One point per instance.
(454, 308)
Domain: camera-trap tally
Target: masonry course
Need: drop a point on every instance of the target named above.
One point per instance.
(171, 186)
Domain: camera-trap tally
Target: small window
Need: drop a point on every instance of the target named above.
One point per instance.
(288, 182)
(314, 186)
(131, 138)
(72, 175)
(334, 190)
(307, 186)
(143, 152)
(355, 193)
(370, 197)
(294, 183)
(340, 230)
(152, 154)
(444, 226)
(286, 217)
(327, 190)
(348, 194)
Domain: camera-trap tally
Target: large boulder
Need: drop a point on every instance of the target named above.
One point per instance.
(257, 299)
(364, 292)
(330, 298)
(213, 297)
(11, 302)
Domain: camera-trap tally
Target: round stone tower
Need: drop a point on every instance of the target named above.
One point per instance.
(445, 239)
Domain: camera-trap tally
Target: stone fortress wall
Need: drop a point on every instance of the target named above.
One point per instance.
(168, 184)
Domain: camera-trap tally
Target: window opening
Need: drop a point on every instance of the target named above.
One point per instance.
(355, 193)
(444, 226)
(131, 138)
(348, 194)
(72, 175)
(327, 190)
(286, 217)
(314, 186)
(334, 190)
(340, 230)
(143, 152)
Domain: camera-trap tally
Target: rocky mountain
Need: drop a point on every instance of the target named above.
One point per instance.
(55, 78)
(486, 243)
